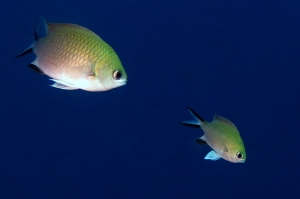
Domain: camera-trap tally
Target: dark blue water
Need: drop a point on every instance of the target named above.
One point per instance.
(237, 59)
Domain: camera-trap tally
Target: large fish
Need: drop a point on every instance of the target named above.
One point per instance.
(222, 136)
(76, 58)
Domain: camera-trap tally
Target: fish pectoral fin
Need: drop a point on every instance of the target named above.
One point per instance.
(62, 85)
(91, 76)
(212, 156)
(201, 140)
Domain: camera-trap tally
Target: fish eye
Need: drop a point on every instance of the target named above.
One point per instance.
(239, 155)
(117, 74)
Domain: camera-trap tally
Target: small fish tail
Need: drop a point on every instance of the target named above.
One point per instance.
(194, 123)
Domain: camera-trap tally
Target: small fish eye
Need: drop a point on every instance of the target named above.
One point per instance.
(239, 155)
(117, 74)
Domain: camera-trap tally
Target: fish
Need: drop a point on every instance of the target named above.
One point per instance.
(74, 57)
(222, 136)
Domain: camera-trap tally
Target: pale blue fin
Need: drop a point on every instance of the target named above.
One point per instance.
(212, 156)
(194, 123)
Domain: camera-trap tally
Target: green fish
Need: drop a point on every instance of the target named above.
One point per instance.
(74, 57)
(222, 136)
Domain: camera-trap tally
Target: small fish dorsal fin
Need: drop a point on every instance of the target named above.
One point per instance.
(223, 120)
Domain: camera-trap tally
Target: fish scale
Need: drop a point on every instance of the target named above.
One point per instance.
(228, 135)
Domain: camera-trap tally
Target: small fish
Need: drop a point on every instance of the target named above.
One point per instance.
(76, 58)
(222, 136)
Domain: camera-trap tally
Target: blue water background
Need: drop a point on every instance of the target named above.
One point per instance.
(237, 59)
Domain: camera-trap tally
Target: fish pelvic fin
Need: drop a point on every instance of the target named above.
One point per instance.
(194, 123)
(62, 85)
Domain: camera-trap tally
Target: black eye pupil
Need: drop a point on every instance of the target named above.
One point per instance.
(117, 74)
(239, 155)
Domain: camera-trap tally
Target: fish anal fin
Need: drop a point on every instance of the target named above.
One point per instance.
(212, 156)
(201, 141)
(36, 68)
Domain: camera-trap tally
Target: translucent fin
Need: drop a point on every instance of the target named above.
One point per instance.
(194, 123)
(212, 156)
(62, 85)
(25, 52)
(195, 115)
(35, 66)
(36, 69)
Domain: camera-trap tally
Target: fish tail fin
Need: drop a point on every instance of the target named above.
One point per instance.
(44, 22)
(194, 123)
(36, 37)
(28, 50)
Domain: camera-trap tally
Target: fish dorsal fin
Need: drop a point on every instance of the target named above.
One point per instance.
(51, 27)
(223, 120)
(212, 156)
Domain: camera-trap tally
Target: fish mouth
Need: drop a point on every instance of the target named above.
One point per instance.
(123, 82)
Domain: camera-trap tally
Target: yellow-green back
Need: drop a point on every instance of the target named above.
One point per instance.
(71, 44)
